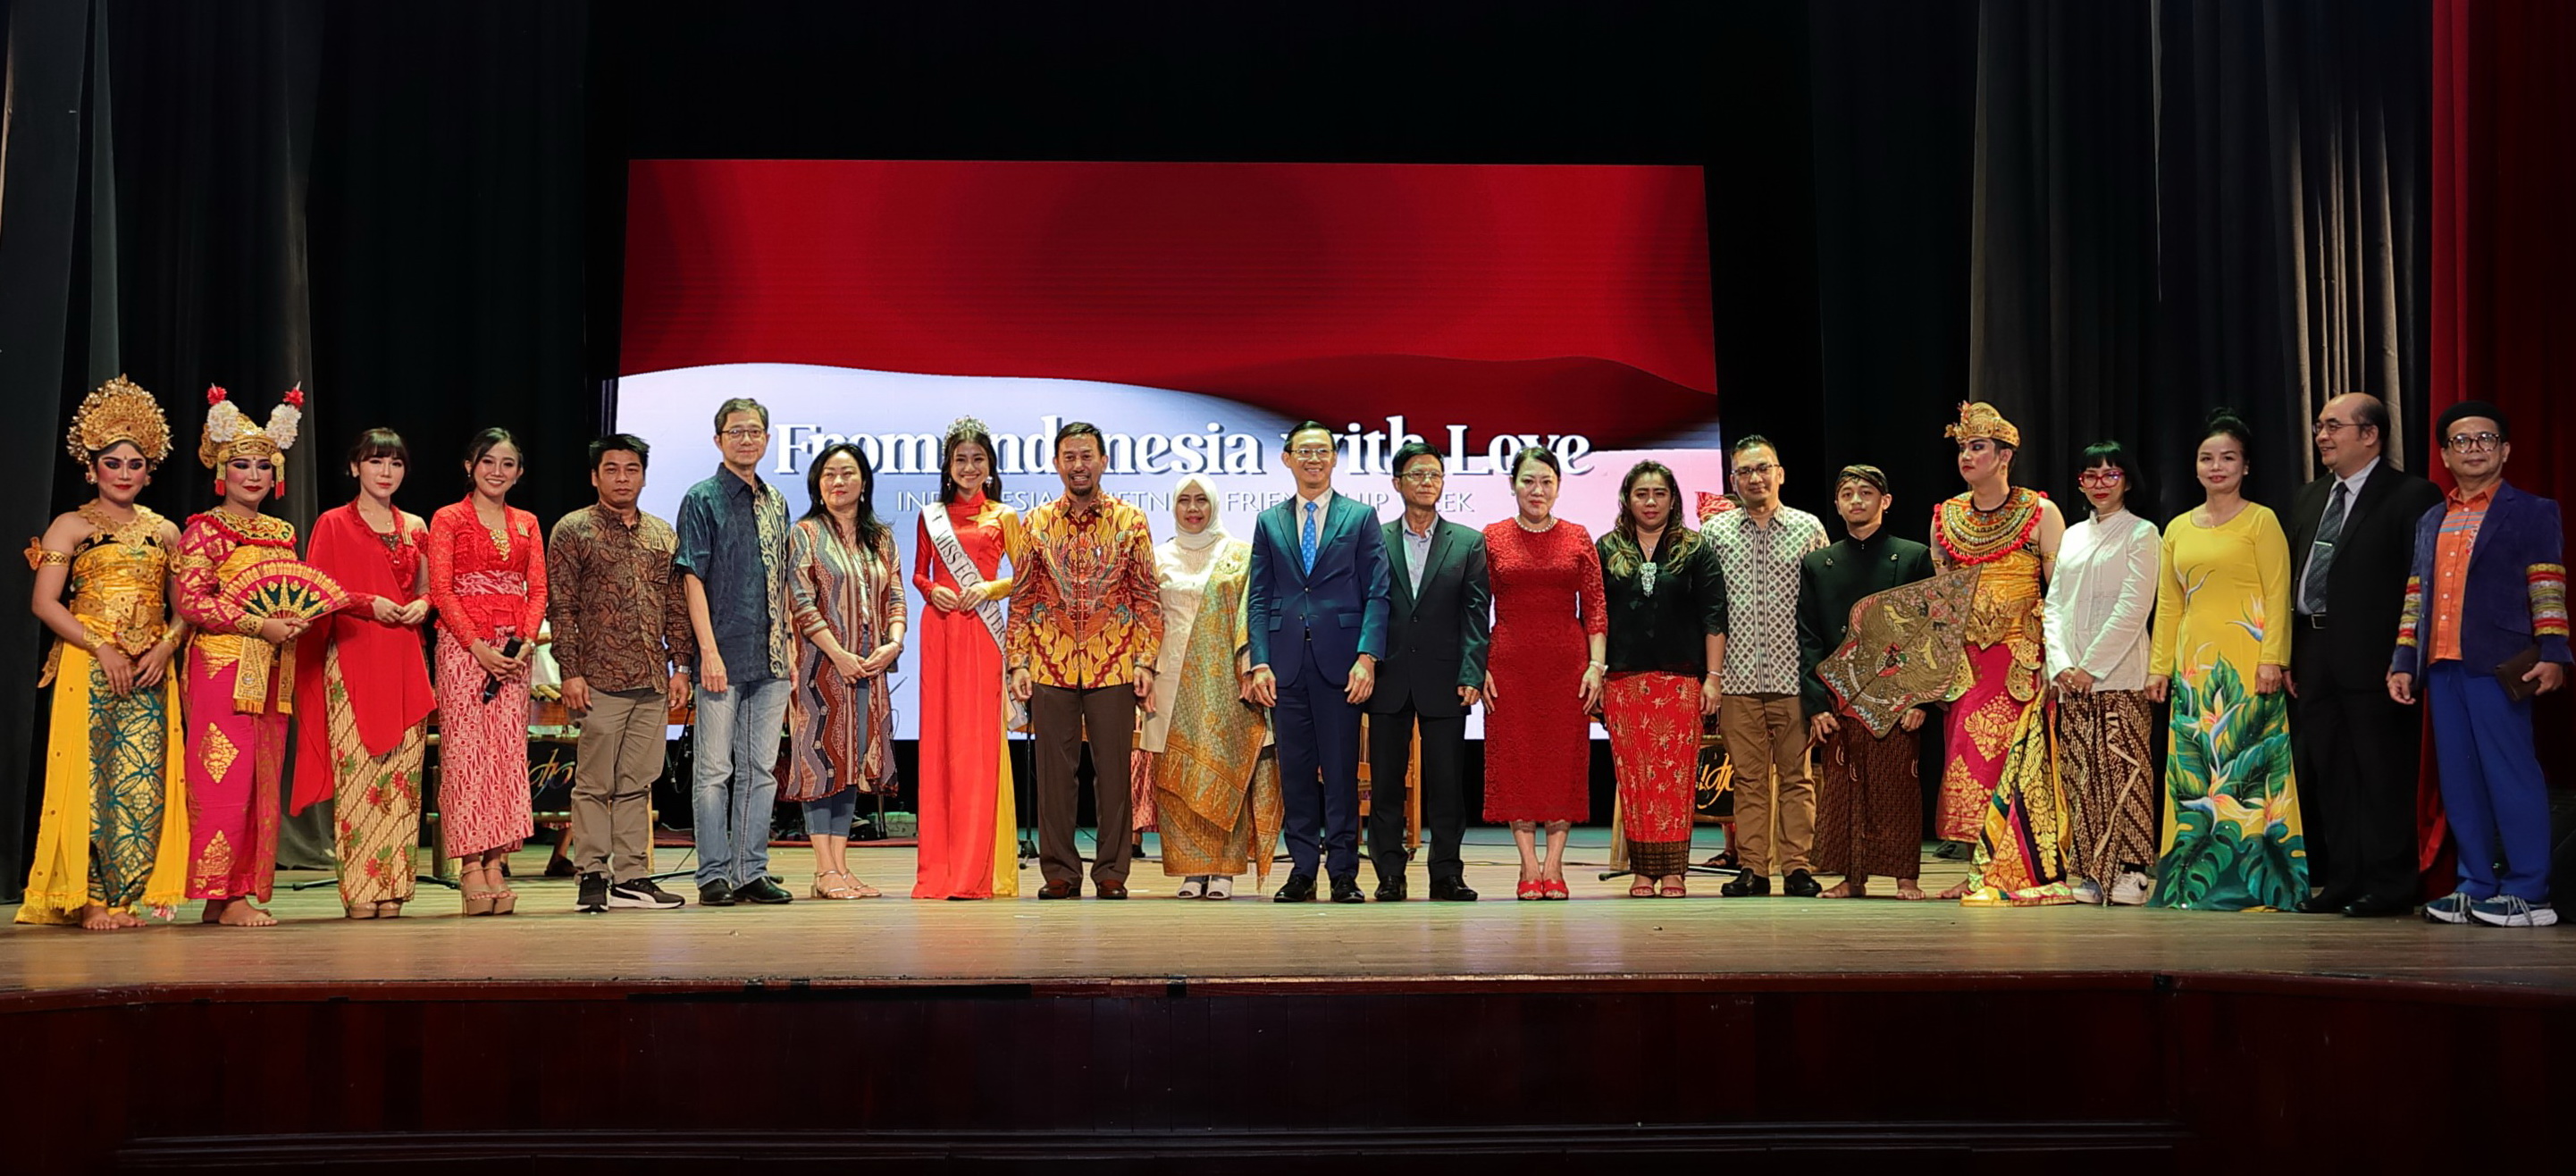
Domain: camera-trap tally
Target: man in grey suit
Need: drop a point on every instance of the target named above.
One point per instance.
(2352, 543)
(1435, 665)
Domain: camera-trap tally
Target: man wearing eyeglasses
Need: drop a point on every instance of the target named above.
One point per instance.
(1317, 607)
(1759, 549)
(1437, 633)
(2352, 535)
(732, 555)
(2484, 628)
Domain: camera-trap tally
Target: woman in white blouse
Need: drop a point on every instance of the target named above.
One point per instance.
(2099, 604)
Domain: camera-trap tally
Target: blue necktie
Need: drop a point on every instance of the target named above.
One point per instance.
(1306, 540)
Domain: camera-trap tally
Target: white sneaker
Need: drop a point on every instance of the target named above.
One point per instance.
(2131, 889)
(1220, 887)
(2504, 910)
(2087, 891)
(1192, 886)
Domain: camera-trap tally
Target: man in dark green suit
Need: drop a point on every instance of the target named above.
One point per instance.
(1434, 667)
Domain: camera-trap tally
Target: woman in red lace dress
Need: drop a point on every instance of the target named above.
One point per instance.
(487, 578)
(1550, 623)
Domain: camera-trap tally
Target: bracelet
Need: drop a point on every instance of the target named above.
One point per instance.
(1604, 667)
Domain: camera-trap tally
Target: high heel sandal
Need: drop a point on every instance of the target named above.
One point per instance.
(360, 910)
(390, 910)
(505, 902)
(1532, 890)
(1675, 889)
(477, 901)
(1643, 887)
(1553, 890)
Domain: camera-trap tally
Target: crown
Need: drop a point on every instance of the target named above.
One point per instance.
(1981, 420)
(118, 411)
(966, 426)
(230, 431)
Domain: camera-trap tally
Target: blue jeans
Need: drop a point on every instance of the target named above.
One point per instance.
(830, 816)
(736, 781)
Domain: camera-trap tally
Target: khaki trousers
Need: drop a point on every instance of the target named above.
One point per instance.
(1766, 739)
(612, 783)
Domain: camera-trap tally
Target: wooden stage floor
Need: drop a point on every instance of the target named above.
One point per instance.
(1251, 942)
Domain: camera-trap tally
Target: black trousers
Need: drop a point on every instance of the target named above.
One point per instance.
(1444, 801)
(2357, 754)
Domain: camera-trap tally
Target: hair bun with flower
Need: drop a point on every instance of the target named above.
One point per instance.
(231, 433)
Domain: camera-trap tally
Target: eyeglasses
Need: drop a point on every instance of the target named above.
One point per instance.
(2329, 427)
(744, 432)
(1421, 477)
(1311, 452)
(1756, 471)
(2469, 442)
(2100, 478)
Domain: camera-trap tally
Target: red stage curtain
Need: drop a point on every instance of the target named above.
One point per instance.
(2504, 245)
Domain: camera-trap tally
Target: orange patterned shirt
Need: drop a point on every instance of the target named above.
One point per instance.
(2461, 518)
(1086, 610)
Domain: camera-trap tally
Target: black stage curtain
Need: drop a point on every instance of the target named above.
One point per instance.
(2184, 204)
(382, 203)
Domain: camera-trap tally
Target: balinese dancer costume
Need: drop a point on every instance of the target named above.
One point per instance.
(239, 688)
(1999, 787)
(114, 829)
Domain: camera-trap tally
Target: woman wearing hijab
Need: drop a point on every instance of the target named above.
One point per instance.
(1206, 748)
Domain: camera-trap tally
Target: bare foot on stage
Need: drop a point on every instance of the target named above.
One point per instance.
(1965, 887)
(239, 913)
(1847, 888)
(1907, 890)
(96, 917)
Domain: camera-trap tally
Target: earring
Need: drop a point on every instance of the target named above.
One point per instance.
(219, 487)
(90, 476)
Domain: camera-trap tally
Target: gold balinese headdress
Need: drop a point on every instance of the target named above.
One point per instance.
(230, 432)
(1981, 420)
(118, 411)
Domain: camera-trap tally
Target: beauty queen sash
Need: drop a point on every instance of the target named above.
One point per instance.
(995, 615)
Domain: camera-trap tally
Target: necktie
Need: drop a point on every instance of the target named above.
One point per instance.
(2312, 596)
(1306, 539)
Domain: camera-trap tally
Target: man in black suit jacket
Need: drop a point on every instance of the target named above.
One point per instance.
(2352, 541)
(1435, 665)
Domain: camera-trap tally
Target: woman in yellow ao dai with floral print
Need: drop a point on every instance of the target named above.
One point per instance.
(2232, 839)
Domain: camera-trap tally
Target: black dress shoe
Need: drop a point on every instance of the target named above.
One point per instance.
(1801, 884)
(1109, 890)
(1347, 890)
(1451, 892)
(1299, 888)
(1056, 890)
(716, 893)
(2323, 902)
(2377, 906)
(763, 891)
(1747, 884)
(1391, 889)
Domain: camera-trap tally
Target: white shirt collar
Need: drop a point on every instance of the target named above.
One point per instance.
(1324, 499)
(2352, 485)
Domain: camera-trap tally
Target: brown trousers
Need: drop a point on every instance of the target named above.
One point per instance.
(1059, 718)
(612, 783)
(1766, 740)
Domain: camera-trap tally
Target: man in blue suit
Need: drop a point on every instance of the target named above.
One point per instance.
(2484, 628)
(1317, 607)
